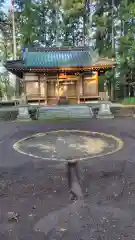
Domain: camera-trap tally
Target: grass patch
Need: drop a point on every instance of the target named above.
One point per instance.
(7, 114)
(128, 101)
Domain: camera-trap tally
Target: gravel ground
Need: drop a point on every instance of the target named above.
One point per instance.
(37, 190)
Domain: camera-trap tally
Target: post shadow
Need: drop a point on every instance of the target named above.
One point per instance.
(73, 177)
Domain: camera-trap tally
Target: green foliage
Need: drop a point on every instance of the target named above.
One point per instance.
(73, 8)
(33, 112)
(101, 83)
(128, 101)
(114, 36)
(126, 47)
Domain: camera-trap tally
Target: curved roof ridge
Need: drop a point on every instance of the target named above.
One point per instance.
(58, 49)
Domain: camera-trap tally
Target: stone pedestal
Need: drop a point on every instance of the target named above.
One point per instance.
(23, 113)
(104, 111)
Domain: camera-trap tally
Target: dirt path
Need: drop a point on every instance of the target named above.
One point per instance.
(38, 190)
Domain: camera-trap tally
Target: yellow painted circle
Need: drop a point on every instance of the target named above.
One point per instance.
(118, 144)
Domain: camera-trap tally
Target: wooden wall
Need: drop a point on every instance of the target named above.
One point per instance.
(48, 89)
(31, 85)
(90, 86)
(42, 85)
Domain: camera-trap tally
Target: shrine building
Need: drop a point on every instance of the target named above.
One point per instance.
(49, 74)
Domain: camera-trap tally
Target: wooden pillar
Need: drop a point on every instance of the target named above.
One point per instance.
(81, 84)
(67, 90)
(45, 88)
(58, 87)
(24, 91)
(78, 90)
(39, 92)
(97, 82)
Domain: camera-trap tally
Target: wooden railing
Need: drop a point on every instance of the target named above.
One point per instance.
(32, 96)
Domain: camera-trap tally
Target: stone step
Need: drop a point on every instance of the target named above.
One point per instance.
(65, 112)
(56, 114)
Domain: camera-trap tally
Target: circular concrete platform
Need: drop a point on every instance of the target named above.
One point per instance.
(68, 145)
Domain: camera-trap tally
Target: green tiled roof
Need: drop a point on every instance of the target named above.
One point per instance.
(56, 59)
